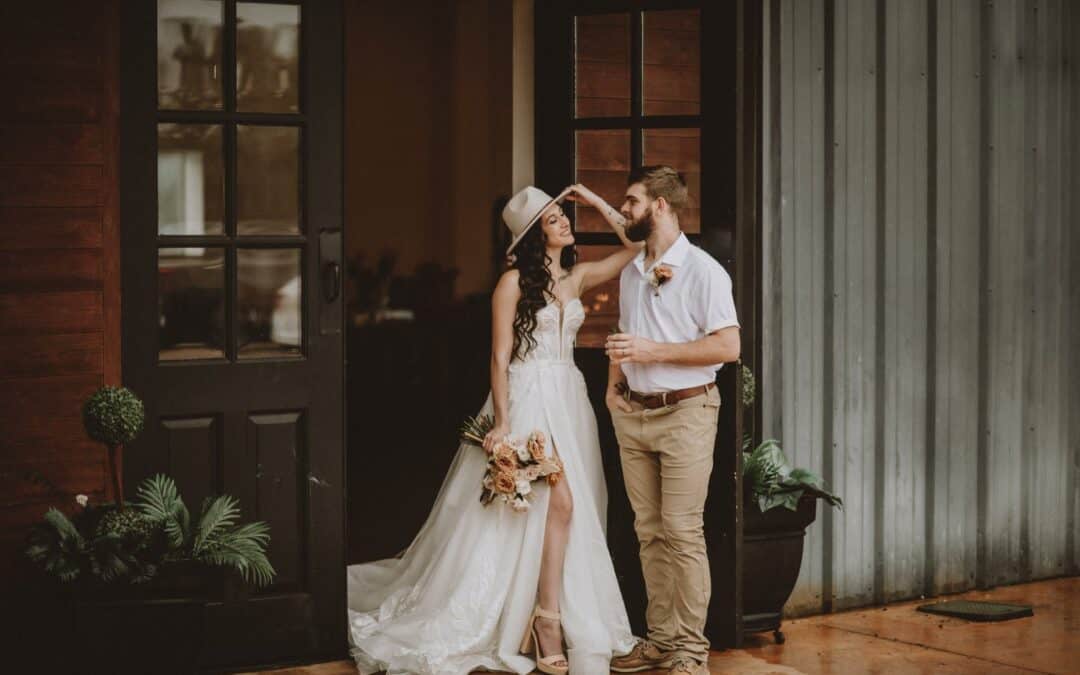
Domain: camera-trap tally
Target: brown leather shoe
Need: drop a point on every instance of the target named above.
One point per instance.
(684, 665)
(644, 656)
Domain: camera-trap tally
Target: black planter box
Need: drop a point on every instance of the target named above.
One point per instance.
(140, 636)
(772, 553)
(157, 627)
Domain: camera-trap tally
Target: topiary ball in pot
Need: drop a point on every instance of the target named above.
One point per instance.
(113, 416)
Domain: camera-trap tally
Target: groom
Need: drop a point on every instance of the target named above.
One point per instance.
(677, 325)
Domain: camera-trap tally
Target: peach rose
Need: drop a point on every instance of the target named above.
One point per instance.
(556, 473)
(661, 274)
(505, 483)
(504, 459)
(537, 445)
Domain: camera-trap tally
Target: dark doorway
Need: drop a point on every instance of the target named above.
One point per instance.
(420, 185)
(231, 185)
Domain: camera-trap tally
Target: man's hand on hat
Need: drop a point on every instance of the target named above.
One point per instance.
(626, 348)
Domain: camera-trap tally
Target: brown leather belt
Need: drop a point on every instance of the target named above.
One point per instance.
(653, 401)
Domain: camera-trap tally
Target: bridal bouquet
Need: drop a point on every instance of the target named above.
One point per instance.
(513, 465)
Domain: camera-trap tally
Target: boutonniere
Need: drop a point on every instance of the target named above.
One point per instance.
(661, 274)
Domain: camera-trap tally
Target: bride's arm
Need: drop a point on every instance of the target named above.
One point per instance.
(503, 307)
(592, 274)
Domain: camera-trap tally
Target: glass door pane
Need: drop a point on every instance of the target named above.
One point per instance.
(268, 282)
(267, 57)
(189, 54)
(671, 50)
(191, 179)
(267, 180)
(191, 303)
(601, 303)
(602, 65)
(680, 149)
(602, 163)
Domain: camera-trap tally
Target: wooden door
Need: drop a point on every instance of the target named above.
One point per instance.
(622, 83)
(231, 211)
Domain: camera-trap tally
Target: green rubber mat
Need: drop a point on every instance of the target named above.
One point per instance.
(974, 610)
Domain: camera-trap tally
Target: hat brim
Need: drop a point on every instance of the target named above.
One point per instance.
(535, 218)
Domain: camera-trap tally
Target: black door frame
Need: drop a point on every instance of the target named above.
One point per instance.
(321, 488)
(731, 100)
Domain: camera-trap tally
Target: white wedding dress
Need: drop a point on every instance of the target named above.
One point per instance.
(459, 598)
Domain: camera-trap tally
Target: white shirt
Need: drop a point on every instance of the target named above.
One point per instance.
(693, 303)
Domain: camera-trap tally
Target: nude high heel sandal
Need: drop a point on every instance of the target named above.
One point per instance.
(530, 644)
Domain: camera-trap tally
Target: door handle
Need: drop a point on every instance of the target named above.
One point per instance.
(331, 256)
(331, 281)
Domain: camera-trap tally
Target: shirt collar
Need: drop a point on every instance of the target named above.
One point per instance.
(675, 256)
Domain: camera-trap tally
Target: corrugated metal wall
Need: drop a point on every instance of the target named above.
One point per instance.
(921, 314)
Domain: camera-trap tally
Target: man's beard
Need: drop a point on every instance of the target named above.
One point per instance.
(640, 229)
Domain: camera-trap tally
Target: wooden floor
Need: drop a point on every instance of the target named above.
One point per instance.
(897, 639)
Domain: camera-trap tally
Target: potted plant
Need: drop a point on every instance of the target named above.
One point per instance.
(137, 575)
(779, 503)
(113, 416)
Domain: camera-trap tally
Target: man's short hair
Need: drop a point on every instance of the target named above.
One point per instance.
(660, 180)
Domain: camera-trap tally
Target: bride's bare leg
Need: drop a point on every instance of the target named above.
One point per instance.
(560, 509)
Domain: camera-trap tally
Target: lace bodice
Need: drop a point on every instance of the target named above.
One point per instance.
(556, 331)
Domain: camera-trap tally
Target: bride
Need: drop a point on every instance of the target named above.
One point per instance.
(476, 578)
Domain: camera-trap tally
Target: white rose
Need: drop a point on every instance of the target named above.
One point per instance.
(523, 452)
(524, 487)
(82, 500)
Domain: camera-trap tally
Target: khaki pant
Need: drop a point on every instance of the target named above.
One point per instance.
(667, 457)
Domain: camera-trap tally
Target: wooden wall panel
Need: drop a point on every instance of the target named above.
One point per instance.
(51, 144)
(50, 269)
(59, 253)
(43, 355)
(51, 228)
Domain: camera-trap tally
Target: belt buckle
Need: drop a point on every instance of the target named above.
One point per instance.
(654, 401)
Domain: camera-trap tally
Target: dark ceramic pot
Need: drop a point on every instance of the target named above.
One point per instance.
(772, 553)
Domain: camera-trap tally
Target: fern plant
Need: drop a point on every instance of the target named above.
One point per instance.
(214, 538)
(132, 544)
(58, 546)
(102, 542)
(773, 482)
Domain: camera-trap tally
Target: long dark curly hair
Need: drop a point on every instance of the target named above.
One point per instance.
(531, 261)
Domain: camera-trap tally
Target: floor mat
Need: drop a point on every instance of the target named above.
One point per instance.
(974, 610)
